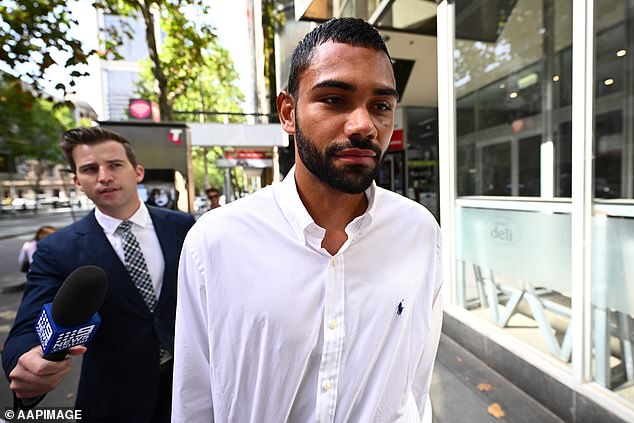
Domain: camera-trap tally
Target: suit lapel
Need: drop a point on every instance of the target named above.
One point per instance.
(166, 234)
(93, 241)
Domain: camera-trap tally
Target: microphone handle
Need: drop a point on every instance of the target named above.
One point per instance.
(56, 356)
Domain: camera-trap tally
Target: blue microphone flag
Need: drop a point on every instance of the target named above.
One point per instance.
(54, 337)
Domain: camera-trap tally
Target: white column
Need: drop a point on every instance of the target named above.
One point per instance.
(582, 132)
(447, 145)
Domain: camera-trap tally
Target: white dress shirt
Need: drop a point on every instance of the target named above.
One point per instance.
(143, 230)
(270, 327)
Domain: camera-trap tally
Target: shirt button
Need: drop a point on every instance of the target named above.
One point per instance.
(326, 386)
(332, 324)
(333, 263)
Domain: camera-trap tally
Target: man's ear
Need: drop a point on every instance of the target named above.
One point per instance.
(77, 184)
(286, 111)
(140, 173)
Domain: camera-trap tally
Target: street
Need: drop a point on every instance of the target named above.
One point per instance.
(14, 230)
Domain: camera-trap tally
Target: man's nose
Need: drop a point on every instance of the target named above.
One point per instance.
(360, 124)
(103, 174)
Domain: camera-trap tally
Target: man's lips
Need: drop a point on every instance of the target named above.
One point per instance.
(108, 190)
(356, 152)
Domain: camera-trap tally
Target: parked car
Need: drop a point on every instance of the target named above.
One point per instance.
(53, 201)
(23, 204)
(6, 205)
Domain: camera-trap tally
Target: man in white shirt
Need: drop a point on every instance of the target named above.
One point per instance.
(317, 299)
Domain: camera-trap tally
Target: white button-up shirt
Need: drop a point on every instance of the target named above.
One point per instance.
(270, 327)
(144, 232)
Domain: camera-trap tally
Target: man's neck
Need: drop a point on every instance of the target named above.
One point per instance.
(122, 213)
(331, 209)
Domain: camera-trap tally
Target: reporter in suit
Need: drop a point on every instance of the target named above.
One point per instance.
(126, 370)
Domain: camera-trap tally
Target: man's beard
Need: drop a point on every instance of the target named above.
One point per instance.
(351, 179)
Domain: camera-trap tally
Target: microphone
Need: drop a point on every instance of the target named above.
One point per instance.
(72, 318)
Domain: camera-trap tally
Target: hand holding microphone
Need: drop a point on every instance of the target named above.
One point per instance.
(70, 320)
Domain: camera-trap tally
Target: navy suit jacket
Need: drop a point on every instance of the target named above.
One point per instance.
(120, 370)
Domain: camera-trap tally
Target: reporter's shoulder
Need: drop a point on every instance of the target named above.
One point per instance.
(175, 215)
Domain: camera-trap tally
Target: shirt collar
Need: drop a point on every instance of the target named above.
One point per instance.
(300, 220)
(110, 224)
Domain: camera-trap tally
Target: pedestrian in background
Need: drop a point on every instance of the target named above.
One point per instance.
(213, 196)
(316, 299)
(25, 257)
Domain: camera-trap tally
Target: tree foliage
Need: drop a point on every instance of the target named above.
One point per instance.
(34, 36)
(32, 126)
(187, 38)
(188, 72)
(271, 21)
(204, 83)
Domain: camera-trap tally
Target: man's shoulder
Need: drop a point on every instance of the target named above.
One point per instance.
(177, 216)
(398, 205)
(391, 199)
(82, 225)
(254, 209)
(256, 200)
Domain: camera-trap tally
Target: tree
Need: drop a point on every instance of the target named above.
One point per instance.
(187, 36)
(271, 21)
(34, 36)
(32, 126)
(206, 85)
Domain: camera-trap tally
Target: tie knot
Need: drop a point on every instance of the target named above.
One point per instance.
(125, 226)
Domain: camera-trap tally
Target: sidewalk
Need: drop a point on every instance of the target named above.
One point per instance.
(464, 389)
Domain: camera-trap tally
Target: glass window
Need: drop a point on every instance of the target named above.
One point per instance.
(563, 160)
(608, 154)
(465, 110)
(422, 157)
(529, 177)
(133, 48)
(121, 86)
(613, 218)
(610, 62)
(513, 126)
(496, 169)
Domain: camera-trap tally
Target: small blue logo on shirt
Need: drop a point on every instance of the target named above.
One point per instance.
(400, 307)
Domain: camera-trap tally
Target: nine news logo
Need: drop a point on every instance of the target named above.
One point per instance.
(54, 338)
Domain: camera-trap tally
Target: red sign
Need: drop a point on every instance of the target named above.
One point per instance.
(245, 154)
(175, 136)
(140, 109)
(396, 142)
(143, 109)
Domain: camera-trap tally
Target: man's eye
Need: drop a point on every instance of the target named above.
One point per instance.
(384, 107)
(332, 100)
